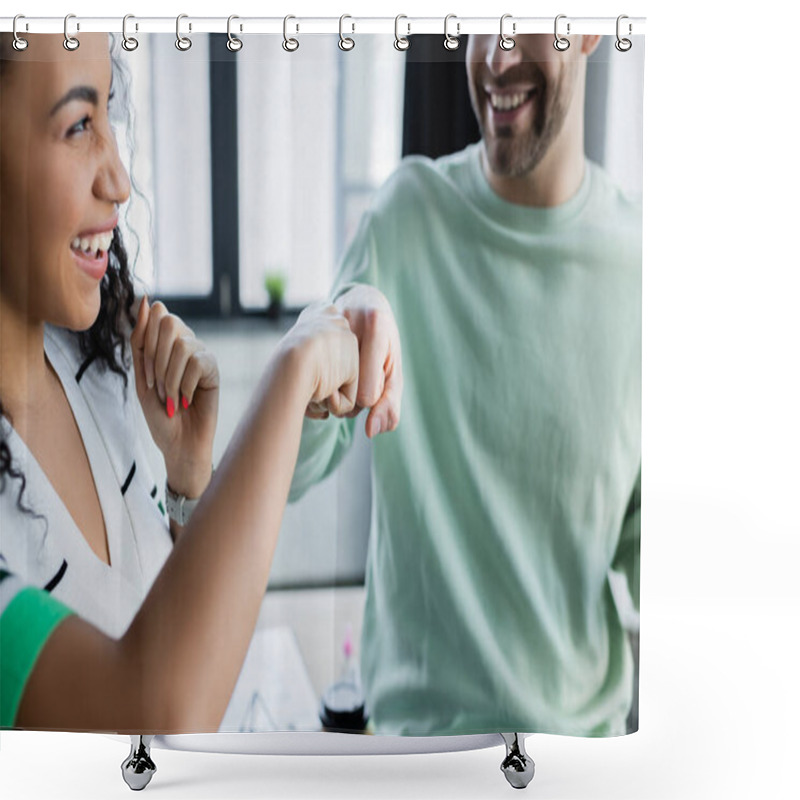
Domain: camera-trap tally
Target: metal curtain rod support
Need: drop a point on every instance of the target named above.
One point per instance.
(609, 26)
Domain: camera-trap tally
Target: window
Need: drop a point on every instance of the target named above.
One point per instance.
(170, 119)
(318, 132)
(256, 162)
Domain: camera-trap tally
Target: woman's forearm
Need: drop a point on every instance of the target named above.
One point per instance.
(204, 604)
(175, 667)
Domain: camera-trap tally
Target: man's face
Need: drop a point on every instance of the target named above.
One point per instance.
(521, 98)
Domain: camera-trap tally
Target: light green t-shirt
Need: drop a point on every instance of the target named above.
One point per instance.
(510, 488)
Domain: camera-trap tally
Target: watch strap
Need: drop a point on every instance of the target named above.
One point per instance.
(179, 507)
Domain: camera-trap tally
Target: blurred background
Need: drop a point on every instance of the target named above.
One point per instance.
(250, 172)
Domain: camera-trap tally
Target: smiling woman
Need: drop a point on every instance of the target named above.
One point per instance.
(75, 182)
(100, 324)
(95, 630)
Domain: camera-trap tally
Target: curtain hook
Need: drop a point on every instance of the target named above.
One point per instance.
(507, 42)
(289, 45)
(183, 43)
(451, 42)
(129, 43)
(401, 42)
(345, 42)
(19, 43)
(70, 42)
(234, 43)
(623, 45)
(560, 43)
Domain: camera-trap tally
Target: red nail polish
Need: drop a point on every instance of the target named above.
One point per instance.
(184, 402)
(170, 407)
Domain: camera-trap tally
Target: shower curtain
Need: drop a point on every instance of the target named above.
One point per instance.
(468, 563)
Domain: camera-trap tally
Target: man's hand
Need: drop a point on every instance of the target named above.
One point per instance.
(380, 373)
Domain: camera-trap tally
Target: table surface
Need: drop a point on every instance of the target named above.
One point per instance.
(318, 618)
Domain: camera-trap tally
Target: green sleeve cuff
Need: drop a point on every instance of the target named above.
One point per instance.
(25, 625)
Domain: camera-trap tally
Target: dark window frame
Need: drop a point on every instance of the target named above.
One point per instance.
(223, 300)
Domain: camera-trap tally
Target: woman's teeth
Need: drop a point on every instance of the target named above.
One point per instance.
(508, 102)
(94, 245)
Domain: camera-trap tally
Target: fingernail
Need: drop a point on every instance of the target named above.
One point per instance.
(184, 402)
(377, 428)
(170, 408)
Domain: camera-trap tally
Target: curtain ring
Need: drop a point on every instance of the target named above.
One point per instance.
(234, 43)
(623, 45)
(183, 43)
(401, 42)
(70, 42)
(345, 42)
(289, 45)
(451, 42)
(19, 43)
(560, 43)
(129, 43)
(506, 42)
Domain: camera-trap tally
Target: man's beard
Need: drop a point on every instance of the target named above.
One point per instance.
(515, 154)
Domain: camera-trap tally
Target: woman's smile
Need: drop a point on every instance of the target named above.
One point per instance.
(93, 264)
(90, 248)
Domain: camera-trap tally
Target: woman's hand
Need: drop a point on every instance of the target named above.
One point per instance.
(177, 381)
(329, 352)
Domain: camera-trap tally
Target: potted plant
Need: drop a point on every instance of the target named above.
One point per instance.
(275, 284)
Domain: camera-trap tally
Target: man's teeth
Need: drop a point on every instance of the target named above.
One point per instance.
(508, 102)
(91, 245)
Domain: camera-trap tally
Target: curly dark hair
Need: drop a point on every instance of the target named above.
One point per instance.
(105, 341)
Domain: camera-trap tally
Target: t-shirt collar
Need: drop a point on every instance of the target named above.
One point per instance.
(522, 217)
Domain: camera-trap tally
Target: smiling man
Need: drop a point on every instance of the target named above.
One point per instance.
(530, 118)
(510, 272)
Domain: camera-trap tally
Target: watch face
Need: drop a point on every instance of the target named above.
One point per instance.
(179, 507)
(174, 509)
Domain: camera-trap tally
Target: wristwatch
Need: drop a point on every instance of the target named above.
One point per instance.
(180, 507)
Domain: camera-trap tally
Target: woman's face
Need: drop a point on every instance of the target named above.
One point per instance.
(61, 179)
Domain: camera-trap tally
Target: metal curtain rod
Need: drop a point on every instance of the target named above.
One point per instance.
(320, 25)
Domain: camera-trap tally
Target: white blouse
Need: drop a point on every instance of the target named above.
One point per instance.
(57, 557)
